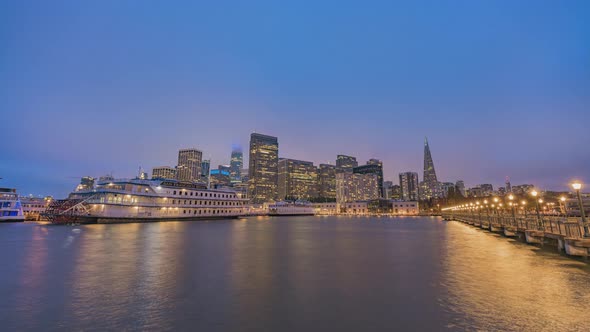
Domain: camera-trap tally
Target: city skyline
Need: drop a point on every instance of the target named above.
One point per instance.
(388, 174)
(500, 88)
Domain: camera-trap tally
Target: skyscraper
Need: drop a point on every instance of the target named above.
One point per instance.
(236, 163)
(345, 163)
(460, 188)
(327, 181)
(408, 183)
(431, 185)
(205, 167)
(263, 168)
(508, 185)
(352, 187)
(189, 165)
(373, 166)
(297, 179)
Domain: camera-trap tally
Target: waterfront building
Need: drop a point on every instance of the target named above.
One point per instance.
(460, 187)
(408, 183)
(263, 168)
(163, 172)
(352, 187)
(189, 165)
(353, 208)
(236, 163)
(327, 181)
(373, 166)
(297, 179)
(325, 208)
(345, 163)
(430, 188)
(405, 208)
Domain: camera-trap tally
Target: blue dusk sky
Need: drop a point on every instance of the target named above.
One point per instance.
(501, 88)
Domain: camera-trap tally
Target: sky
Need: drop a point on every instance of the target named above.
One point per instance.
(500, 88)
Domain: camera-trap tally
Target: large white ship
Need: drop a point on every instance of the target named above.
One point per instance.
(10, 206)
(285, 208)
(139, 200)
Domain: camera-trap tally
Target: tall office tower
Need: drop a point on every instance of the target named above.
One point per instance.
(236, 163)
(327, 181)
(205, 169)
(373, 166)
(263, 168)
(396, 192)
(351, 187)
(508, 185)
(408, 183)
(163, 172)
(345, 163)
(189, 165)
(460, 187)
(431, 185)
(297, 179)
(387, 189)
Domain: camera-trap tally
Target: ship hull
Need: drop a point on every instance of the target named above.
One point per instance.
(103, 220)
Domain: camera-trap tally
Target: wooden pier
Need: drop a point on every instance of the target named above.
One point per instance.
(565, 234)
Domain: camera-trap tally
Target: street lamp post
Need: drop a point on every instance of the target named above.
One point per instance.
(534, 193)
(577, 186)
(511, 198)
(562, 201)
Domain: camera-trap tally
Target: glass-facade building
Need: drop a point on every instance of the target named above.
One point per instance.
(235, 165)
(189, 165)
(263, 168)
(345, 163)
(408, 183)
(327, 181)
(373, 166)
(297, 179)
(430, 187)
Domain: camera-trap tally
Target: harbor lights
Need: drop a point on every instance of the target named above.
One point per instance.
(512, 205)
(524, 207)
(577, 186)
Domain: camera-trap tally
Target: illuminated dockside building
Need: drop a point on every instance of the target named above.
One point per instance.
(297, 179)
(263, 168)
(352, 187)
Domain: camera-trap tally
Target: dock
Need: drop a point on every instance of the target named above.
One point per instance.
(565, 234)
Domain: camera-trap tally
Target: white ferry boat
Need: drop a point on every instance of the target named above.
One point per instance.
(136, 200)
(10, 206)
(285, 208)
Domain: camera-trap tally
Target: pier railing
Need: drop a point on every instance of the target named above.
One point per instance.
(558, 226)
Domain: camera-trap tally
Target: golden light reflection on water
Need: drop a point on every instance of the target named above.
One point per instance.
(501, 284)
